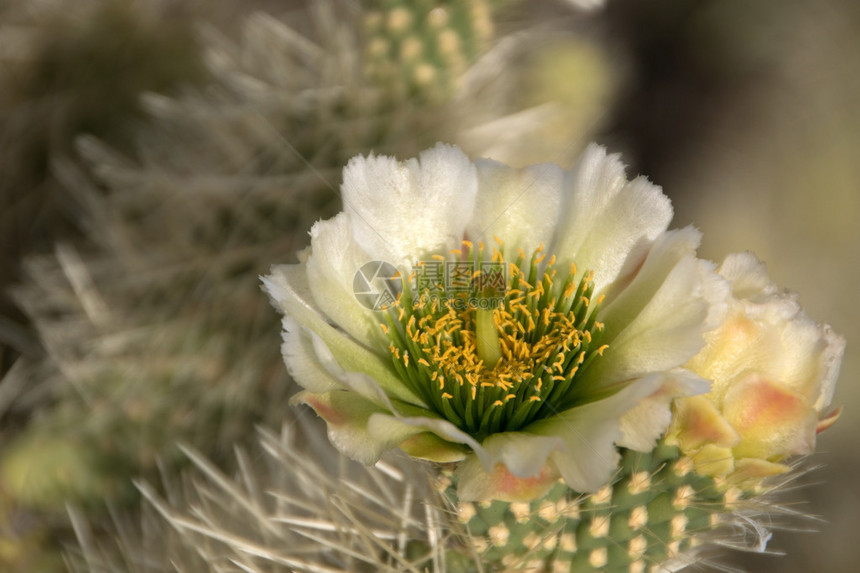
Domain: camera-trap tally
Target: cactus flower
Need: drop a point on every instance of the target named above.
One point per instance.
(773, 372)
(530, 320)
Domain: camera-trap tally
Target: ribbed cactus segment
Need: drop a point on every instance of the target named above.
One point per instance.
(650, 513)
(421, 47)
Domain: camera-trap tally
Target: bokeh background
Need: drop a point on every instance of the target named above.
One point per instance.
(156, 156)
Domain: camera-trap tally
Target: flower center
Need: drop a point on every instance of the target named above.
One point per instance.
(492, 346)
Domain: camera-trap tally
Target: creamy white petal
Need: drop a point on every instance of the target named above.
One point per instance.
(589, 434)
(748, 276)
(642, 426)
(780, 340)
(331, 267)
(831, 360)
(606, 224)
(520, 206)
(347, 417)
(287, 286)
(657, 323)
(518, 468)
(383, 424)
(524, 454)
(302, 362)
(403, 211)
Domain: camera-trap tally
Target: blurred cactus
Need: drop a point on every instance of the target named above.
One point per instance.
(423, 47)
(283, 511)
(66, 70)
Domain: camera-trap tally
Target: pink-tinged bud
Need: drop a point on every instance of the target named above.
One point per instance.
(772, 371)
(773, 422)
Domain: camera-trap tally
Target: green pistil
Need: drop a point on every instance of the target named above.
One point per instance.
(489, 345)
(499, 349)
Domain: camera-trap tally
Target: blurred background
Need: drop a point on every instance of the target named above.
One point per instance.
(157, 156)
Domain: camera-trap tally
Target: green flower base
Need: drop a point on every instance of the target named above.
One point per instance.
(652, 512)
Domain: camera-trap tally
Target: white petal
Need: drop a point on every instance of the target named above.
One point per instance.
(518, 469)
(607, 224)
(401, 212)
(287, 286)
(334, 260)
(748, 276)
(519, 206)
(589, 433)
(657, 323)
(347, 417)
(831, 359)
(784, 343)
(302, 362)
(524, 454)
(642, 426)
(405, 426)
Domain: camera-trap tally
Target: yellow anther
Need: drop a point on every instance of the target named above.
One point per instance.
(474, 392)
(384, 328)
(534, 398)
(569, 290)
(423, 362)
(457, 252)
(600, 298)
(406, 357)
(602, 348)
(467, 243)
(446, 395)
(584, 300)
(498, 403)
(510, 397)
